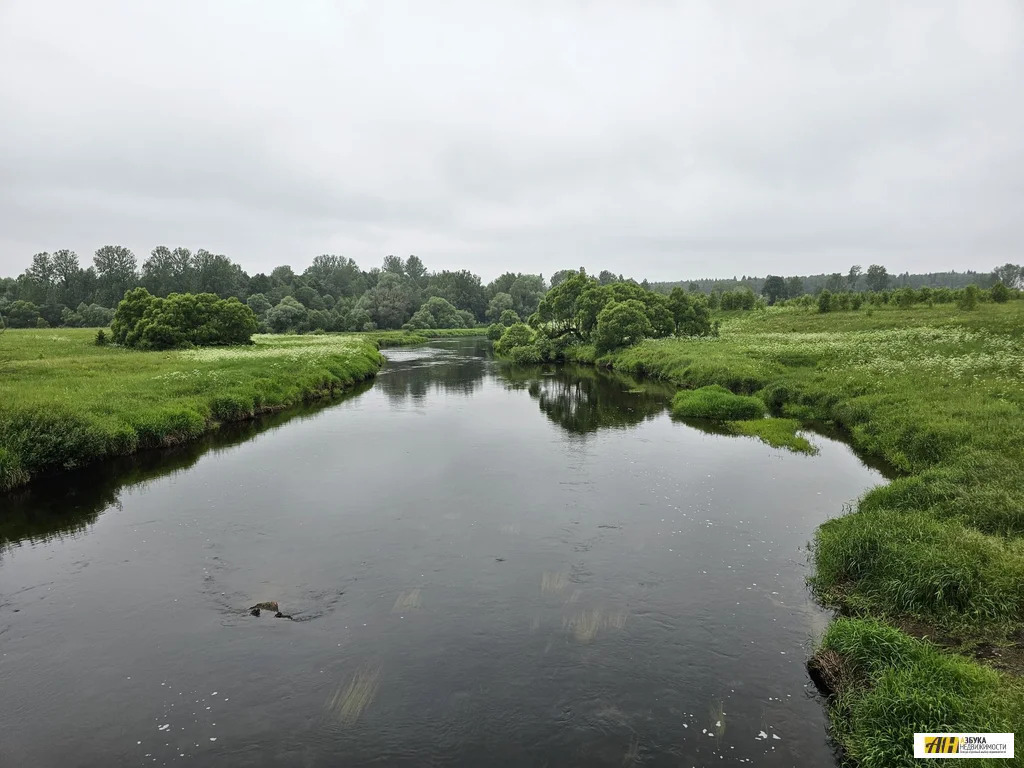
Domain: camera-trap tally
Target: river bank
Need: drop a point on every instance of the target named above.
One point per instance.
(938, 394)
(65, 402)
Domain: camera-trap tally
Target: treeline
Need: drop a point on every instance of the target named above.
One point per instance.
(332, 294)
(876, 278)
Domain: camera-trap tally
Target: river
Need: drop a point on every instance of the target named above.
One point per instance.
(483, 565)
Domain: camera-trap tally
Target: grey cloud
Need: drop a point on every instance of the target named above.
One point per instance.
(665, 140)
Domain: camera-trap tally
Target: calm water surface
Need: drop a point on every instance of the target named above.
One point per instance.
(486, 566)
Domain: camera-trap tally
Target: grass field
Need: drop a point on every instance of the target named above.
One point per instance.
(65, 402)
(938, 394)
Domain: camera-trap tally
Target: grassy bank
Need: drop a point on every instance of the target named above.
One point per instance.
(938, 394)
(422, 336)
(65, 402)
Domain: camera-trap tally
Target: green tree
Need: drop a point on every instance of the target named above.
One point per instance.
(620, 324)
(390, 303)
(877, 278)
(394, 266)
(853, 276)
(1010, 275)
(216, 273)
(69, 277)
(794, 287)
(158, 272)
(334, 275)
(509, 318)
(288, 315)
(21, 314)
(562, 274)
(437, 313)
(42, 271)
(774, 288)
(115, 267)
(461, 288)
(498, 304)
(259, 304)
(526, 292)
(835, 283)
(825, 301)
(1000, 293)
(415, 270)
(690, 313)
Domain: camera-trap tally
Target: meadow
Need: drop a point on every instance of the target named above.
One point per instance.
(937, 554)
(65, 402)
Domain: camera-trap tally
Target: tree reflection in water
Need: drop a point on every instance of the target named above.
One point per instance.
(46, 510)
(583, 399)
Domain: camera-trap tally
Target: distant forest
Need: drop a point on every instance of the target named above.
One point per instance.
(333, 293)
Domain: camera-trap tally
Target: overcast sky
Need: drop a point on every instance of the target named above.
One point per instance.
(661, 140)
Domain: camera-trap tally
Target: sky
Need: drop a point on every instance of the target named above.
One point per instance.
(666, 140)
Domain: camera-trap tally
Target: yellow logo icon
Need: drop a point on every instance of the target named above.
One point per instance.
(946, 745)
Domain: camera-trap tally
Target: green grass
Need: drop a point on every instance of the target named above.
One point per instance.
(890, 685)
(779, 433)
(717, 403)
(65, 402)
(422, 336)
(937, 394)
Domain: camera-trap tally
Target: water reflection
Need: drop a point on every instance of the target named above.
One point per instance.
(455, 367)
(66, 506)
(583, 399)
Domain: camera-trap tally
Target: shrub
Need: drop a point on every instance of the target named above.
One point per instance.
(494, 331)
(182, 319)
(825, 301)
(509, 317)
(518, 335)
(905, 297)
(716, 402)
(968, 299)
(101, 338)
(1000, 293)
(21, 314)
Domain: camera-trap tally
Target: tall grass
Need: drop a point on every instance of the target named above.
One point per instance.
(891, 686)
(65, 402)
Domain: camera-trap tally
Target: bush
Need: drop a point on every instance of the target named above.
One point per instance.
(1000, 293)
(968, 299)
(509, 317)
(494, 331)
(21, 314)
(181, 320)
(825, 301)
(101, 338)
(716, 402)
(518, 335)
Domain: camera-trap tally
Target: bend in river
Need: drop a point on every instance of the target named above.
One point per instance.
(483, 565)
